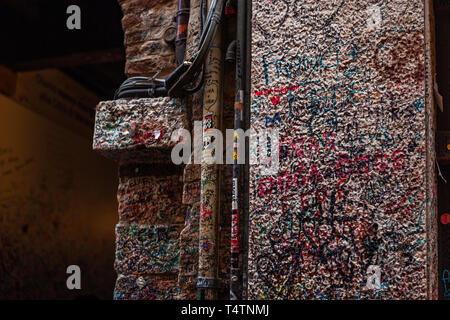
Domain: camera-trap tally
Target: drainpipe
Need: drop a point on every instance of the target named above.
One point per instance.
(182, 28)
(238, 120)
(208, 269)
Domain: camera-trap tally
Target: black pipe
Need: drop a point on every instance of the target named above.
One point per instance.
(175, 84)
(246, 197)
(206, 38)
(235, 271)
(182, 29)
(230, 55)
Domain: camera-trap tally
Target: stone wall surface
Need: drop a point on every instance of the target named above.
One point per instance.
(137, 133)
(145, 288)
(349, 213)
(345, 216)
(138, 125)
(144, 23)
(151, 217)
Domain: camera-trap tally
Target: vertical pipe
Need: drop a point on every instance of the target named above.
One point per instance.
(245, 219)
(238, 119)
(208, 270)
(182, 28)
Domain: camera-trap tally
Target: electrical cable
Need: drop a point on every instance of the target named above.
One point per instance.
(175, 83)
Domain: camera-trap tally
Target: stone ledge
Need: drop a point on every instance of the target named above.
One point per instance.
(137, 125)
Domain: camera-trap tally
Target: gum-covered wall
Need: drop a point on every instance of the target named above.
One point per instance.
(349, 213)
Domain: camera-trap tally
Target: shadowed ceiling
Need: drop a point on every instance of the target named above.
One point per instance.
(34, 36)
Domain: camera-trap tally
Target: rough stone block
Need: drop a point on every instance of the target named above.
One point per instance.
(145, 288)
(191, 192)
(151, 200)
(191, 172)
(144, 23)
(147, 249)
(138, 124)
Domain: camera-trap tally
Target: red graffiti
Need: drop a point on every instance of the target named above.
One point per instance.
(275, 100)
(306, 146)
(204, 212)
(276, 90)
(146, 133)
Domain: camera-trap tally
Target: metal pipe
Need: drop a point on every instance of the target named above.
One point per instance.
(185, 73)
(235, 284)
(245, 224)
(208, 269)
(182, 29)
(207, 36)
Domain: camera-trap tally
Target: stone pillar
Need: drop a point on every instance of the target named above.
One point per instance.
(137, 133)
(127, 131)
(350, 212)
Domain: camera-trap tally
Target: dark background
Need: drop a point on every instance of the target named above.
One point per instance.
(41, 233)
(34, 36)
